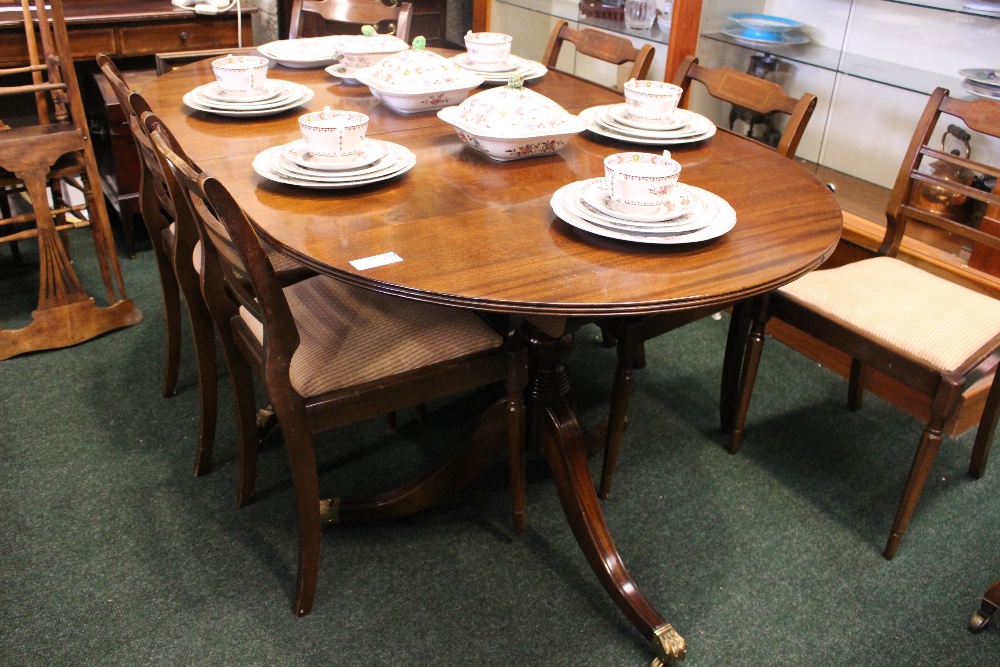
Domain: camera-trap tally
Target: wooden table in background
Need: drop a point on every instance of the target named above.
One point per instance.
(479, 234)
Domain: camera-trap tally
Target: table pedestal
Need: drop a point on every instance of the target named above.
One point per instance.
(552, 420)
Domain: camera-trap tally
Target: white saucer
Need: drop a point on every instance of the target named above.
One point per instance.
(286, 94)
(213, 92)
(463, 61)
(296, 151)
(596, 194)
(620, 113)
(404, 162)
(342, 73)
(283, 165)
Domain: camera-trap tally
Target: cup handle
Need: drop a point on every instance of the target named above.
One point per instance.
(666, 155)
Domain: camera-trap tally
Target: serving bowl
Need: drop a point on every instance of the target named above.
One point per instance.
(512, 122)
(418, 80)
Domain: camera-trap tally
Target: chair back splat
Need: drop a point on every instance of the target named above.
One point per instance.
(314, 18)
(600, 45)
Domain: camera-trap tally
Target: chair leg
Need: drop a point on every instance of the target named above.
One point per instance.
(203, 331)
(516, 454)
(629, 345)
(420, 413)
(987, 607)
(736, 341)
(154, 219)
(302, 463)
(986, 431)
(927, 451)
(856, 385)
(748, 376)
(244, 401)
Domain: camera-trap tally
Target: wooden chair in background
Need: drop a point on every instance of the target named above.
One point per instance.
(932, 335)
(315, 18)
(38, 159)
(629, 334)
(601, 45)
(323, 369)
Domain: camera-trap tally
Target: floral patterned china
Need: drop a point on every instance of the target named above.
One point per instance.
(597, 196)
(488, 48)
(652, 101)
(512, 122)
(274, 165)
(619, 114)
(290, 96)
(599, 122)
(241, 77)
(418, 80)
(302, 53)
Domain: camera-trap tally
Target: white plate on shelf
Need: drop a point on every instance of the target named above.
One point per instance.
(595, 193)
(989, 92)
(619, 112)
(297, 151)
(786, 39)
(465, 62)
(984, 77)
(722, 222)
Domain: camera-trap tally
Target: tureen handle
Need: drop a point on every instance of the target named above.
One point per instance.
(419, 43)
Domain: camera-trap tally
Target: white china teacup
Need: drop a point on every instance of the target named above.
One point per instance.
(241, 75)
(639, 182)
(488, 48)
(332, 133)
(653, 101)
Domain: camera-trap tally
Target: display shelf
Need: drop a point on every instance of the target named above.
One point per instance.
(956, 6)
(571, 12)
(862, 67)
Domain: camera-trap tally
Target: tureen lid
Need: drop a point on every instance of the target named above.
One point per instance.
(370, 42)
(419, 71)
(514, 111)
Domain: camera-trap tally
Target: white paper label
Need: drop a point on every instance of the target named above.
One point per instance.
(375, 260)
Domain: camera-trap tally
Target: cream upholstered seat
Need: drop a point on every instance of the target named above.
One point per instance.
(892, 302)
(939, 339)
(348, 336)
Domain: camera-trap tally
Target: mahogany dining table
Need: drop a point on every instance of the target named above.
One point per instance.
(479, 234)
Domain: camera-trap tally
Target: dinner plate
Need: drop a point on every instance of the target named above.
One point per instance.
(463, 61)
(262, 165)
(696, 125)
(289, 93)
(297, 152)
(723, 221)
(620, 113)
(302, 53)
(595, 193)
(697, 217)
(778, 40)
(285, 167)
(190, 101)
(656, 139)
(212, 91)
(528, 71)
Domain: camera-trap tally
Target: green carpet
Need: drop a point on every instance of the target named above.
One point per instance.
(112, 553)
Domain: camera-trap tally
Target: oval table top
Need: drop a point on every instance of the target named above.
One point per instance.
(477, 233)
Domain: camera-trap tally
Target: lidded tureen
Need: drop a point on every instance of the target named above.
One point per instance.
(368, 48)
(418, 80)
(512, 122)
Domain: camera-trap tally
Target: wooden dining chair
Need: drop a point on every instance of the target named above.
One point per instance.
(604, 46)
(930, 334)
(330, 354)
(630, 334)
(315, 18)
(40, 156)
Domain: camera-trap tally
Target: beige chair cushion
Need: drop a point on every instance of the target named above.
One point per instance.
(903, 308)
(349, 335)
(278, 261)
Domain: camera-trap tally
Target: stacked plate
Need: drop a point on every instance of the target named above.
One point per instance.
(277, 96)
(689, 216)
(293, 164)
(302, 53)
(614, 121)
(764, 29)
(982, 82)
(529, 69)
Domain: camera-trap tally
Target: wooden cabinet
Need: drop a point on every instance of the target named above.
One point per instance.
(128, 28)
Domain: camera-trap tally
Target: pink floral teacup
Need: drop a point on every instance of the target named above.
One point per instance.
(639, 182)
(653, 101)
(331, 133)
